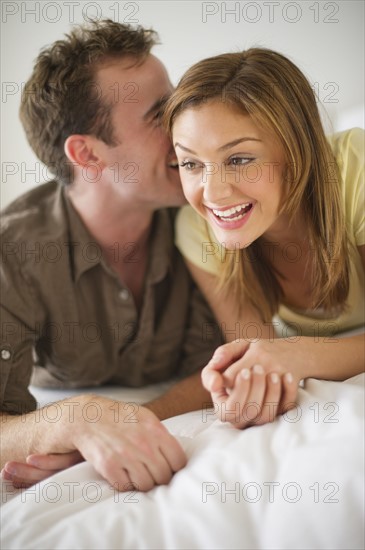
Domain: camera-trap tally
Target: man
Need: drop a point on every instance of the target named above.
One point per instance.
(92, 285)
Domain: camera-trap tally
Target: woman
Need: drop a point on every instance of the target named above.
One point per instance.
(276, 229)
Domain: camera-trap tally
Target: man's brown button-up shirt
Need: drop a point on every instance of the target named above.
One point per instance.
(65, 311)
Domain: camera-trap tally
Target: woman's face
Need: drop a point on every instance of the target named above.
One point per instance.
(231, 172)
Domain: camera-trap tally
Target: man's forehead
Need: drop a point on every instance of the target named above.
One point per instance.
(124, 68)
(118, 69)
(131, 78)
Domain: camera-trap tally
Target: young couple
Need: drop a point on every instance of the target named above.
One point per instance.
(278, 205)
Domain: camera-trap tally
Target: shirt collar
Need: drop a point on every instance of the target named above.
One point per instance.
(161, 245)
(86, 253)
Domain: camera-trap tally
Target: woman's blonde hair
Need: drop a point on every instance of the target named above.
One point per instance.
(279, 98)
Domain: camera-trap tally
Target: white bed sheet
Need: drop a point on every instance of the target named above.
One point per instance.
(297, 483)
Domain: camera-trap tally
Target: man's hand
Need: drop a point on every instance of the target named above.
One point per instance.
(126, 443)
(251, 383)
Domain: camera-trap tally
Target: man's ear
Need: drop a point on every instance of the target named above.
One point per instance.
(81, 150)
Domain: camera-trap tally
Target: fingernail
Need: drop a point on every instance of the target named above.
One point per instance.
(5, 475)
(245, 374)
(215, 359)
(289, 377)
(274, 378)
(10, 469)
(258, 369)
(211, 381)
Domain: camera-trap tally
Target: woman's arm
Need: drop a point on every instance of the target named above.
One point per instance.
(234, 376)
(233, 325)
(270, 391)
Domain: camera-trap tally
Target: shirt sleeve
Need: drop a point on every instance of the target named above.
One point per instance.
(202, 336)
(21, 320)
(196, 242)
(349, 149)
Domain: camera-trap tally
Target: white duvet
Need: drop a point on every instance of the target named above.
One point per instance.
(295, 483)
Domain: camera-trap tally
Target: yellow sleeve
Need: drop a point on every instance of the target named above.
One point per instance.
(349, 150)
(195, 241)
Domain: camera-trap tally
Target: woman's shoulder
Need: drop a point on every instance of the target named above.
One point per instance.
(195, 240)
(190, 223)
(348, 145)
(348, 148)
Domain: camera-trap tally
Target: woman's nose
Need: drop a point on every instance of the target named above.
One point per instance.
(215, 182)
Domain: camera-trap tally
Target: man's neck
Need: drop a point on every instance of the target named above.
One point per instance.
(122, 233)
(109, 221)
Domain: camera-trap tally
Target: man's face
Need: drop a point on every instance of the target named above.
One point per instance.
(142, 168)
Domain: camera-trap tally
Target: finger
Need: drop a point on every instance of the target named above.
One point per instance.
(120, 480)
(219, 396)
(211, 380)
(160, 469)
(290, 390)
(140, 476)
(171, 450)
(109, 463)
(272, 399)
(153, 467)
(227, 354)
(24, 473)
(253, 406)
(54, 461)
(231, 409)
(17, 484)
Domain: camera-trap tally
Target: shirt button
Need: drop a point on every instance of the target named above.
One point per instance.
(124, 294)
(5, 354)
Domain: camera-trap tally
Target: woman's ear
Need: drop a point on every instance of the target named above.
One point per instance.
(81, 150)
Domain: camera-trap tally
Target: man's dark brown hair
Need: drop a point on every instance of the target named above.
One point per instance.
(61, 97)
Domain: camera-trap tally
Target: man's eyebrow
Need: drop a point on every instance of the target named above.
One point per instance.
(222, 147)
(156, 107)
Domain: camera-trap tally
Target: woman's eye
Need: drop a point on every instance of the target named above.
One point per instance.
(188, 165)
(239, 161)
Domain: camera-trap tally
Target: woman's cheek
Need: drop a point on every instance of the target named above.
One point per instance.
(188, 189)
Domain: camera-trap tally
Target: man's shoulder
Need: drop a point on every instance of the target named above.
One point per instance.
(35, 215)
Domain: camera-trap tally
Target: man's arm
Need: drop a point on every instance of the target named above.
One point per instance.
(126, 443)
(185, 396)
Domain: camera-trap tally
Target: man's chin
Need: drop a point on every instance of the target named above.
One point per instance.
(177, 202)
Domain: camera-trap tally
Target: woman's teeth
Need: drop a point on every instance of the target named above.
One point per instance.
(234, 213)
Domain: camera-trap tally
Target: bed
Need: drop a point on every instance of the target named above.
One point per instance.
(295, 483)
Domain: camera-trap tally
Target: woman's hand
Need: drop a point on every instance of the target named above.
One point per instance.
(252, 382)
(37, 468)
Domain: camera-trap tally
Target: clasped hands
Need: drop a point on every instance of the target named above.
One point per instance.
(132, 451)
(251, 382)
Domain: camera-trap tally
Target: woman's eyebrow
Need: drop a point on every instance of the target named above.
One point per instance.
(222, 147)
(236, 142)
